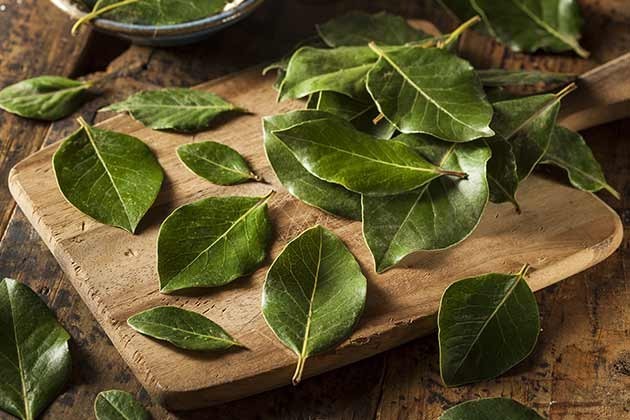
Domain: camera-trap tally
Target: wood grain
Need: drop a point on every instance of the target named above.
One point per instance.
(114, 271)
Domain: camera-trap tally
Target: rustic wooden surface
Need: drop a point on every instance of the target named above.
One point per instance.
(581, 367)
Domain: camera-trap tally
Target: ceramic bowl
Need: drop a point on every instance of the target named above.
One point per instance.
(167, 35)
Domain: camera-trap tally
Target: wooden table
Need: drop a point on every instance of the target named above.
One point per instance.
(581, 366)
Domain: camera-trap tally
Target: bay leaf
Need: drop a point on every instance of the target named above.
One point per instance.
(179, 109)
(431, 91)
(112, 177)
(340, 70)
(360, 28)
(35, 363)
(333, 150)
(569, 151)
(436, 216)
(152, 12)
(360, 114)
(118, 405)
(502, 172)
(300, 183)
(501, 77)
(47, 98)
(212, 242)
(216, 162)
(182, 328)
(490, 409)
(528, 25)
(314, 294)
(486, 325)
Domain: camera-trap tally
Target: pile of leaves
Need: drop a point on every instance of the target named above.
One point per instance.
(402, 133)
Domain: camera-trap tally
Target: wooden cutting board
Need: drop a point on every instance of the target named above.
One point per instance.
(561, 231)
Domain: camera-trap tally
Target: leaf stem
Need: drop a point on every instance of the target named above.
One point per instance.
(299, 369)
(96, 13)
(457, 32)
(566, 90)
(524, 270)
(461, 175)
(378, 118)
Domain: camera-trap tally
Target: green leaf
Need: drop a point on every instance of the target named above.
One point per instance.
(212, 242)
(486, 325)
(152, 12)
(527, 124)
(501, 77)
(333, 150)
(313, 295)
(306, 187)
(528, 25)
(340, 70)
(118, 405)
(178, 109)
(569, 151)
(490, 409)
(360, 114)
(184, 329)
(35, 363)
(216, 162)
(502, 172)
(435, 216)
(431, 91)
(112, 177)
(360, 28)
(45, 98)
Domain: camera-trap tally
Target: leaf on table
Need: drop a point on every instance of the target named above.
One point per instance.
(486, 325)
(112, 177)
(431, 91)
(360, 114)
(280, 66)
(490, 409)
(360, 28)
(313, 295)
(528, 25)
(300, 183)
(333, 150)
(435, 216)
(216, 162)
(182, 328)
(152, 12)
(569, 151)
(35, 363)
(118, 405)
(47, 98)
(212, 242)
(502, 172)
(179, 109)
(340, 70)
(501, 77)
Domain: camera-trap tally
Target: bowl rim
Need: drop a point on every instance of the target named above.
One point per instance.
(219, 19)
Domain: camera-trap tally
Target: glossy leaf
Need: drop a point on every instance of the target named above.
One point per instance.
(360, 114)
(435, 216)
(501, 77)
(184, 329)
(35, 362)
(486, 325)
(153, 12)
(569, 151)
(490, 409)
(296, 179)
(333, 150)
(432, 91)
(112, 177)
(118, 405)
(360, 28)
(313, 295)
(216, 162)
(528, 25)
(340, 70)
(45, 98)
(527, 124)
(178, 109)
(212, 242)
(502, 172)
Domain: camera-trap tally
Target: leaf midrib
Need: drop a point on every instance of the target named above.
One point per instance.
(83, 86)
(111, 404)
(307, 328)
(519, 278)
(212, 107)
(187, 331)
(27, 409)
